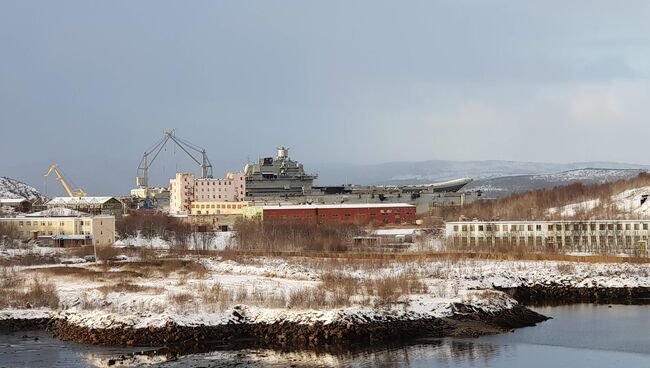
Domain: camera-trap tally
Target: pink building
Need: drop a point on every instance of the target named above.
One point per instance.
(185, 189)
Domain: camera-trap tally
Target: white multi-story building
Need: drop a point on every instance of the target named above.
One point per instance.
(587, 236)
(186, 189)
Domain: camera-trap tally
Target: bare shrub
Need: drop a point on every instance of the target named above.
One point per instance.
(335, 281)
(180, 299)
(275, 235)
(9, 234)
(165, 267)
(148, 225)
(566, 268)
(389, 289)
(308, 298)
(38, 294)
(126, 287)
(9, 278)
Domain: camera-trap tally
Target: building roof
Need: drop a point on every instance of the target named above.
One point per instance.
(13, 200)
(337, 206)
(394, 232)
(57, 212)
(72, 237)
(79, 200)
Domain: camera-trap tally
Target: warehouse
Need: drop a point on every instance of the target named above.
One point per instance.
(393, 213)
(91, 205)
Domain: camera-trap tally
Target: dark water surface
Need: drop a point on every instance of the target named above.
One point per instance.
(578, 336)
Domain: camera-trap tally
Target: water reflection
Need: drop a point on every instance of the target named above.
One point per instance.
(581, 335)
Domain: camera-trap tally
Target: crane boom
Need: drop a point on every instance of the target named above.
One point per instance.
(54, 169)
(142, 179)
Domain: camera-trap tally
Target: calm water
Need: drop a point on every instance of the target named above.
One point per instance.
(577, 336)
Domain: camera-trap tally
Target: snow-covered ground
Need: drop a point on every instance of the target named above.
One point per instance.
(572, 209)
(261, 289)
(205, 241)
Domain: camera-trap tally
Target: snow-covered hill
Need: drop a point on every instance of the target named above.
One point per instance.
(631, 202)
(12, 188)
(420, 172)
(503, 186)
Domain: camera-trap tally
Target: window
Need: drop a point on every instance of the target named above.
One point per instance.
(538, 227)
(455, 226)
(480, 227)
(530, 227)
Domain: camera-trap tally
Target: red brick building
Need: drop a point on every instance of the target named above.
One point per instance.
(389, 213)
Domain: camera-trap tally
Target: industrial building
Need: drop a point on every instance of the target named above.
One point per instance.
(15, 205)
(393, 213)
(186, 189)
(627, 236)
(90, 205)
(64, 227)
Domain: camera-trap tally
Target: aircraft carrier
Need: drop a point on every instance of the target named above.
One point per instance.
(283, 180)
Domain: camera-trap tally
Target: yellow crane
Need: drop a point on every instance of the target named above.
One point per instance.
(78, 193)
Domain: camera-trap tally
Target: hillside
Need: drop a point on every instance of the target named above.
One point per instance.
(507, 185)
(12, 188)
(618, 199)
(421, 172)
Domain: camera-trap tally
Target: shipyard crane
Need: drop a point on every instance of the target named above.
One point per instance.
(142, 180)
(76, 193)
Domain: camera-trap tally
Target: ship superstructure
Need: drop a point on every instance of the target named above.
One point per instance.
(282, 180)
(280, 176)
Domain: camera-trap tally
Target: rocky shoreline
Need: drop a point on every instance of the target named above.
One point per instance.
(466, 321)
(556, 294)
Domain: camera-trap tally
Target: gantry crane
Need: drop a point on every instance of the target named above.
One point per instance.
(142, 179)
(77, 193)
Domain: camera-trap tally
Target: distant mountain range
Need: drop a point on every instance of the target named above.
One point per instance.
(495, 178)
(503, 186)
(12, 188)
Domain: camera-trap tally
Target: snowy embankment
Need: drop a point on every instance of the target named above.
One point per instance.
(257, 292)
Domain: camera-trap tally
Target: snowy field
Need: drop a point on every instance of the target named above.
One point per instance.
(141, 291)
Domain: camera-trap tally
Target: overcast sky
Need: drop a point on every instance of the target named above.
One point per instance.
(90, 85)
